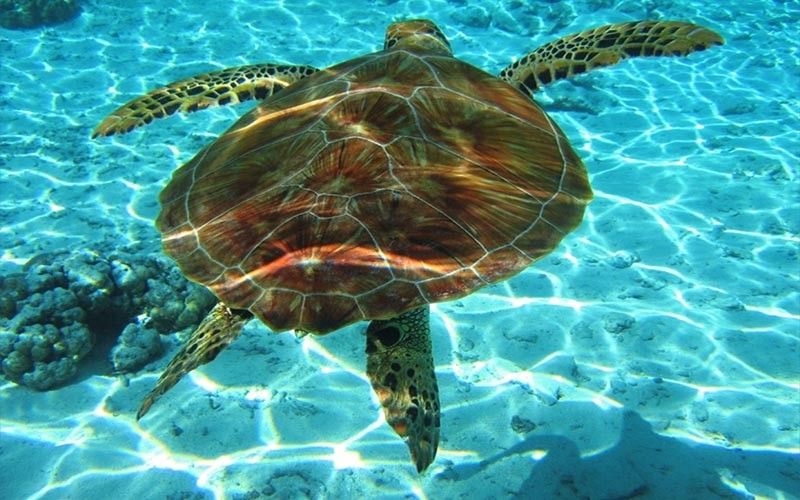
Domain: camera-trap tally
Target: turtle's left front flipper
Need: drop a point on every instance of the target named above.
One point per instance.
(219, 88)
(604, 46)
(400, 368)
(219, 328)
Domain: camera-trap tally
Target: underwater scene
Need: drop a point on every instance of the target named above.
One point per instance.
(653, 352)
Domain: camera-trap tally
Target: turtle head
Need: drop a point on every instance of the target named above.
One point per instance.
(417, 35)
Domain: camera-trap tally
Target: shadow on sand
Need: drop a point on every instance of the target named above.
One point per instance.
(644, 464)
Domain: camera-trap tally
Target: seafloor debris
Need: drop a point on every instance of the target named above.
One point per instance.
(27, 14)
(54, 312)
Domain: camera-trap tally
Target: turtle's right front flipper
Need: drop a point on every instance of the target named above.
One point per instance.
(219, 328)
(220, 88)
(605, 46)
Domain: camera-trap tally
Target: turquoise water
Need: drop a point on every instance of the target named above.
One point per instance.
(654, 354)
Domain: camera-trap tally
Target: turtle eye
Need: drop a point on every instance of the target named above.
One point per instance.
(439, 36)
(388, 336)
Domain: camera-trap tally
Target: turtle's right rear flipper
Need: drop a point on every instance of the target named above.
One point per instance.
(400, 369)
(215, 333)
(219, 88)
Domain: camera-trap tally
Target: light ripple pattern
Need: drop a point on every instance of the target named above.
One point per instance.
(655, 354)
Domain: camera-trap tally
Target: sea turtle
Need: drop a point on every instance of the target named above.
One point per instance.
(374, 188)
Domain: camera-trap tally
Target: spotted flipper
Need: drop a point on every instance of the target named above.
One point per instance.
(605, 46)
(400, 368)
(220, 88)
(218, 329)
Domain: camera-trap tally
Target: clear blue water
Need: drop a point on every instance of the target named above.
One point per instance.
(677, 376)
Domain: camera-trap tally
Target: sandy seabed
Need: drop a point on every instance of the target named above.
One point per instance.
(654, 354)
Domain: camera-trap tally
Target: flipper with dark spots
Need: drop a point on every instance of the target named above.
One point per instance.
(215, 333)
(219, 88)
(400, 368)
(605, 46)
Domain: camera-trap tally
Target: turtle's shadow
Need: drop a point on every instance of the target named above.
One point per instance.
(642, 464)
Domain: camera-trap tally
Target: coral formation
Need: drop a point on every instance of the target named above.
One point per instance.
(137, 345)
(52, 313)
(27, 14)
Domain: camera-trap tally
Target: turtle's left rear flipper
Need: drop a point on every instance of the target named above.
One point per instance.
(215, 333)
(219, 88)
(605, 46)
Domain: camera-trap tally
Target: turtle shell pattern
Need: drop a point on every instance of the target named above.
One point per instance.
(378, 185)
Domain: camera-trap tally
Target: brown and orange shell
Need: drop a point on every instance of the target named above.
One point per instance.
(378, 185)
